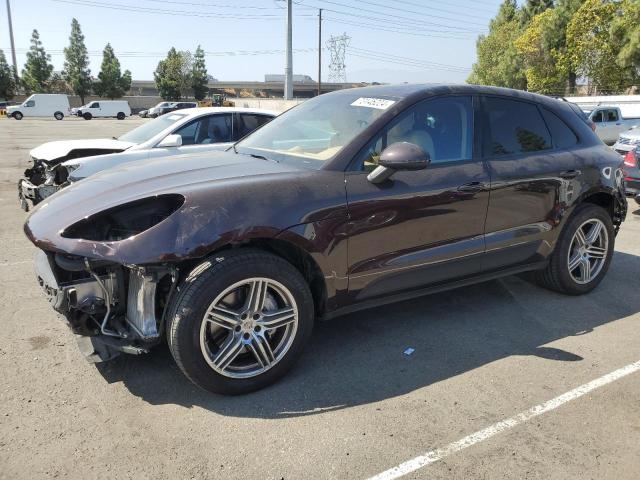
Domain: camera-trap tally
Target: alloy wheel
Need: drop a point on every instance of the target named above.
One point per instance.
(588, 251)
(249, 328)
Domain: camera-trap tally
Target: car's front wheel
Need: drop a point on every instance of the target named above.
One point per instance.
(87, 116)
(17, 115)
(583, 253)
(240, 321)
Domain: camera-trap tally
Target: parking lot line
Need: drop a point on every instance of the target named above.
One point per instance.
(486, 433)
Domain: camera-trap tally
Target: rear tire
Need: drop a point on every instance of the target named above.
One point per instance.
(87, 116)
(244, 349)
(120, 116)
(17, 115)
(579, 262)
(58, 115)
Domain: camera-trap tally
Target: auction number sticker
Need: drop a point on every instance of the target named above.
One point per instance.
(379, 103)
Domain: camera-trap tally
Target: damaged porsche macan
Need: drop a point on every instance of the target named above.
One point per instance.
(347, 201)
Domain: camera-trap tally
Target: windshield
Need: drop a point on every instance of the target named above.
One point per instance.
(315, 131)
(151, 129)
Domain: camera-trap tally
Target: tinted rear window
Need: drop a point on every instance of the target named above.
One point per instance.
(563, 136)
(514, 127)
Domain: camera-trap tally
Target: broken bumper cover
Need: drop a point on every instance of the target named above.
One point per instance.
(28, 192)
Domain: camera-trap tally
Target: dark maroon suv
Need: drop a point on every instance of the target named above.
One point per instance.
(347, 201)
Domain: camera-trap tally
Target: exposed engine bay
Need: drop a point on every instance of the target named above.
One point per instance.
(112, 308)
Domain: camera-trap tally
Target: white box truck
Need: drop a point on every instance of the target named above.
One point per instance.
(105, 108)
(41, 105)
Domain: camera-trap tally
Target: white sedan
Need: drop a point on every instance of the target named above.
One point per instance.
(56, 164)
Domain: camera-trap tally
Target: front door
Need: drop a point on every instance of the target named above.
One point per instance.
(424, 227)
(202, 133)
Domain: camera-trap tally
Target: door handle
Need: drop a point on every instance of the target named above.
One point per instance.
(569, 174)
(472, 187)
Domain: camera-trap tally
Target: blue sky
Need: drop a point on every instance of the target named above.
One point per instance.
(391, 40)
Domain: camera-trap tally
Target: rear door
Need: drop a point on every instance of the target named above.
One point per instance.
(423, 227)
(531, 180)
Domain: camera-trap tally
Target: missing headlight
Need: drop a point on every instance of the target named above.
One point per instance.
(126, 220)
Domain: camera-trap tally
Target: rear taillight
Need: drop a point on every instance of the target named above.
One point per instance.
(630, 159)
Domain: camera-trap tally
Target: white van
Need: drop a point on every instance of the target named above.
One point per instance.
(41, 105)
(105, 108)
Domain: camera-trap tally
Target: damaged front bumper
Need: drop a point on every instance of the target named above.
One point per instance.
(28, 193)
(112, 309)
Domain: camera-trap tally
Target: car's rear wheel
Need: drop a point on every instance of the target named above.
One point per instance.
(120, 116)
(583, 253)
(58, 115)
(17, 115)
(87, 116)
(240, 321)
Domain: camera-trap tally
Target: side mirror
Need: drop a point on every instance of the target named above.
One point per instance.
(173, 140)
(397, 157)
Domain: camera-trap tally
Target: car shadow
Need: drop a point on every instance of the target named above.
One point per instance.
(359, 359)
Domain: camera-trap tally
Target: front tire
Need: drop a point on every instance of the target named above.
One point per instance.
(58, 115)
(87, 116)
(240, 321)
(583, 253)
(17, 115)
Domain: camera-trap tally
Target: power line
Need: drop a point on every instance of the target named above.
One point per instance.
(389, 56)
(395, 7)
(159, 11)
(400, 17)
(405, 31)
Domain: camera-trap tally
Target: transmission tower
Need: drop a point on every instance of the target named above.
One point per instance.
(337, 46)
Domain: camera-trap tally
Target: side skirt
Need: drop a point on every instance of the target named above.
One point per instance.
(400, 297)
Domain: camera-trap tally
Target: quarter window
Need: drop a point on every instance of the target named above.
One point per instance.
(563, 136)
(442, 127)
(514, 127)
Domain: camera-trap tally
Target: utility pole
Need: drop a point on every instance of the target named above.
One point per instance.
(13, 46)
(319, 51)
(288, 71)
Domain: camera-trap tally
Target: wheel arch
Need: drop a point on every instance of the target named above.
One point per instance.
(608, 200)
(292, 253)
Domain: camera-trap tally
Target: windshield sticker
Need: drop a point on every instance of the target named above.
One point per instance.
(379, 103)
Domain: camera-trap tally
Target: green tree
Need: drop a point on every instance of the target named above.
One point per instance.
(37, 70)
(173, 75)
(541, 64)
(554, 38)
(76, 66)
(590, 51)
(625, 34)
(199, 78)
(498, 60)
(7, 79)
(111, 82)
(532, 8)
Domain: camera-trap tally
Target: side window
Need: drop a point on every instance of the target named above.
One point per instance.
(95, 105)
(189, 131)
(597, 117)
(247, 123)
(612, 116)
(218, 129)
(31, 103)
(514, 127)
(562, 135)
(442, 127)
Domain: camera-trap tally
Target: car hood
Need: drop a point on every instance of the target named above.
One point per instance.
(53, 150)
(87, 166)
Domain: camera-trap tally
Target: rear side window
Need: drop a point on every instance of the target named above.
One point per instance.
(514, 127)
(563, 136)
(248, 122)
